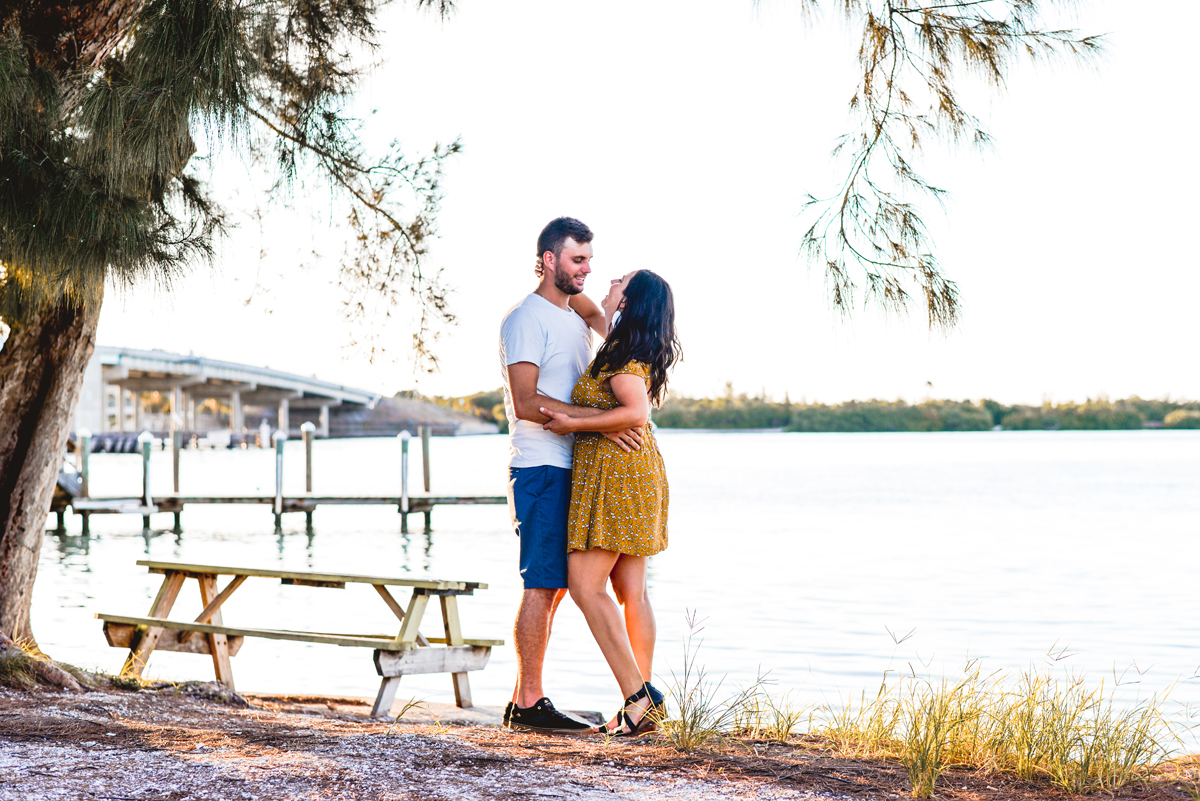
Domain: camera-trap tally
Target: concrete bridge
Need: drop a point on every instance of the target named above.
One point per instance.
(131, 390)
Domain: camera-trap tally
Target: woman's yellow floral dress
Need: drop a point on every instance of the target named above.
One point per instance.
(618, 499)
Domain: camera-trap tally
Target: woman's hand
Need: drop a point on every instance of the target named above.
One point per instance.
(558, 423)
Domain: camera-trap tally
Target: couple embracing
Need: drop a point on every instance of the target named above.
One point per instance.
(587, 490)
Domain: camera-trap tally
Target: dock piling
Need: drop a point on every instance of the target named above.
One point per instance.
(85, 452)
(404, 437)
(280, 437)
(145, 440)
(176, 449)
(424, 433)
(308, 430)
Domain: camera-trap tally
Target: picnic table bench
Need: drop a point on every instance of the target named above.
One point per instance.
(408, 652)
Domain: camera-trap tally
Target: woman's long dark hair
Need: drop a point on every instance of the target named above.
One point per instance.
(645, 332)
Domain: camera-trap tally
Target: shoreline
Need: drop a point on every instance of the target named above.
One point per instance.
(115, 744)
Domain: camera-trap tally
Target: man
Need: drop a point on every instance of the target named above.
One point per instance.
(545, 345)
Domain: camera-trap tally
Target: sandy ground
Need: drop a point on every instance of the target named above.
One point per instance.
(161, 745)
(151, 745)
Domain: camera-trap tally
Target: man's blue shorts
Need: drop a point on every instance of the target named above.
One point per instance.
(540, 499)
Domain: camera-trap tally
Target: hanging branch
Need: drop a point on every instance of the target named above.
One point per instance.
(912, 56)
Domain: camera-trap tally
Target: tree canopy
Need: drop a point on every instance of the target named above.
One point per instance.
(101, 107)
(914, 56)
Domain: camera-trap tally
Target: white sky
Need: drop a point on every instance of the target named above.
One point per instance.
(687, 134)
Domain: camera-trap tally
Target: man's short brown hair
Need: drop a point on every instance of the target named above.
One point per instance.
(555, 235)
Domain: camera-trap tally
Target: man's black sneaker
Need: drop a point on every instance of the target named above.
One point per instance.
(543, 717)
(508, 708)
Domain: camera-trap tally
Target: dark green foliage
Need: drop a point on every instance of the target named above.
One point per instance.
(895, 416)
(1098, 415)
(96, 139)
(727, 412)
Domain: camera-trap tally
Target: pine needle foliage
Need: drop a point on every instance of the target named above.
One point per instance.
(914, 56)
(97, 135)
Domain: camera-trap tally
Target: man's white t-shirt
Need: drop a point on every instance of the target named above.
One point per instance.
(559, 342)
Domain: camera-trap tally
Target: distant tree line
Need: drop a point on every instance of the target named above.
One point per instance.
(744, 412)
(741, 411)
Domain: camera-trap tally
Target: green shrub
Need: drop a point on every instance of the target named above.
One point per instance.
(895, 416)
(1182, 418)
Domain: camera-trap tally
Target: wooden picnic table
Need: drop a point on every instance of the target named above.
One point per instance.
(408, 652)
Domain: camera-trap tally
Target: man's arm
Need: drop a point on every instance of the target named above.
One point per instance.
(527, 404)
(591, 313)
(522, 383)
(633, 410)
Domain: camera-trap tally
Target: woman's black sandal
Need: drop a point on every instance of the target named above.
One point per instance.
(647, 722)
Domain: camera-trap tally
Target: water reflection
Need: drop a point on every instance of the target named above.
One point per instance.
(68, 544)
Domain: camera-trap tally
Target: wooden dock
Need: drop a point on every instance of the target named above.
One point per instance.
(72, 491)
(174, 504)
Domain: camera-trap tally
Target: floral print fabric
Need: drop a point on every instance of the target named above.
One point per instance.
(618, 499)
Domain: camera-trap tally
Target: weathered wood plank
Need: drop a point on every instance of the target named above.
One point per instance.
(119, 635)
(215, 604)
(144, 641)
(455, 659)
(305, 575)
(409, 628)
(468, 641)
(386, 697)
(462, 686)
(217, 642)
(348, 641)
(394, 605)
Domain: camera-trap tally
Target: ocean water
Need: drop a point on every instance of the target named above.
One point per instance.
(822, 560)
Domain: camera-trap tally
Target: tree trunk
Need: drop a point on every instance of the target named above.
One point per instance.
(41, 372)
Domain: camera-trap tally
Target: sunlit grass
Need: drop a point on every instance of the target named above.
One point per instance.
(1059, 731)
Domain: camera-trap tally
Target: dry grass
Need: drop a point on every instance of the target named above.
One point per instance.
(701, 716)
(1064, 732)
(16, 665)
(1057, 731)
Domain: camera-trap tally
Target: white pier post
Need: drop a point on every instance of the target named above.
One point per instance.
(85, 450)
(404, 437)
(176, 452)
(280, 441)
(84, 441)
(424, 432)
(308, 430)
(324, 422)
(145, 439)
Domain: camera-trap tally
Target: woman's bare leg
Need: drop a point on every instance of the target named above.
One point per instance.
(588, 573)
(629, 584)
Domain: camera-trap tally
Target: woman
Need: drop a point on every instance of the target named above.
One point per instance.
(618, 516)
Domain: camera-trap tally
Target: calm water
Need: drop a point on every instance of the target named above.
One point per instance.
(800, 551)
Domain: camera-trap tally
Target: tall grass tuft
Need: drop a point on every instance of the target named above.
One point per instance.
(16, 665)
(701, 717)
(1060, 731)
(1063, 732)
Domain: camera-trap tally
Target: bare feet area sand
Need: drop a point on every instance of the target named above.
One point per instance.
(155, 744)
